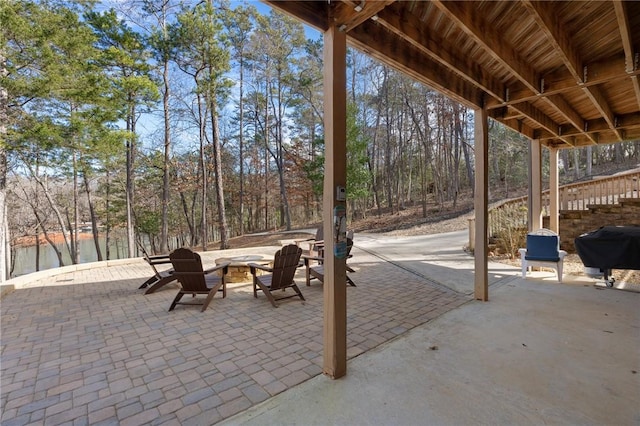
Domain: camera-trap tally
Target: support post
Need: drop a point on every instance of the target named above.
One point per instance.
(554, 198)
(481, 205)
(335, 133)
(535, 185)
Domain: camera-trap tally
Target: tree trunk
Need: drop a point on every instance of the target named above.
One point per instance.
(217, 163)
(189, 218)
(130, 180)
(241, 143)
(47, 238)
(107, 233)
(76, 210)
(56, 211)
(203, 174)
(94, 219)
(5, 248)
(164, 233)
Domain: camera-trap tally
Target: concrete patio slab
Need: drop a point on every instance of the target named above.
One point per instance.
(537, 353)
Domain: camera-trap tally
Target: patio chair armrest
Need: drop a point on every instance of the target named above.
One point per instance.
(304, 240)
(255, 266)
(306, 259)
(158, 259)
(523, 252)
(224, 266)
(562, 254)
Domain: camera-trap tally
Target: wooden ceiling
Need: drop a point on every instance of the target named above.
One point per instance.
(564, 72)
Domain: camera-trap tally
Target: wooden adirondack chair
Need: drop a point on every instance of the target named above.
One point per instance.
(315, 245)
(188, 271)
(317, 271)
(280, 276)
(159, 278)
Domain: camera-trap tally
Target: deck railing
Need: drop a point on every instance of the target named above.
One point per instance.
(574, 196)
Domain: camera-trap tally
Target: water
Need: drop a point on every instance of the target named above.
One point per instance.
(25, 262)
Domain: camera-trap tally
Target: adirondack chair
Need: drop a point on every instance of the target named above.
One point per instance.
(280, 275)
(543, 249)
(315, 245)
(317, 271)
(159, 278)
(188, 271)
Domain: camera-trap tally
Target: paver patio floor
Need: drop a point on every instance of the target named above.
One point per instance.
(88, 347)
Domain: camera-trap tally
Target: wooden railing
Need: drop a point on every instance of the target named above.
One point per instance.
(574, 196)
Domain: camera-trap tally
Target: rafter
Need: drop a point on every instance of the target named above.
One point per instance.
(393, 51)
(557, 37)
(408, 27)
(541, 119)
(631, 56)
(490, 40)
(561, 81)
(347, 17)
(597, 97)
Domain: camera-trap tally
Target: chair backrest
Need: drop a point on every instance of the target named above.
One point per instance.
(543, 245)
(188, 269)
(349, 245)
(147, 258)
(319, 237)
(285, 263)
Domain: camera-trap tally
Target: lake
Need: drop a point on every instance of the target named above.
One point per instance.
(25, 257)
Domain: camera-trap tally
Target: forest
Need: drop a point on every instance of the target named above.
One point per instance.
(187, 123)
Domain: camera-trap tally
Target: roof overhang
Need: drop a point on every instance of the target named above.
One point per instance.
(564, 72)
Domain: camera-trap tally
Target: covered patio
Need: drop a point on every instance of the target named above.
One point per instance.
(88, 347)
(565, 74)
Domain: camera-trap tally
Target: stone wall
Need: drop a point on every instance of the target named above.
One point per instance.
(575, 223)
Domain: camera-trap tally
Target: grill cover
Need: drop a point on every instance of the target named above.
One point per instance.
(610, 247)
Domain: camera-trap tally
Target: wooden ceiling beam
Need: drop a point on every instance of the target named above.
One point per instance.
(392, 50)
(347, 16)
(557, 37)
(625, 33)
(631, 56)
(560, 82)
(597, 97)
(541, 119)
(593, 127)
(409, 27)
(570, 114)
(559, 40)
(485, 35)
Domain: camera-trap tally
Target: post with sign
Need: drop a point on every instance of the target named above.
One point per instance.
(334, 199)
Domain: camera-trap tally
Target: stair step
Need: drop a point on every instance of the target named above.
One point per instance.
(573, 214)
(629, 201)
(604, 208)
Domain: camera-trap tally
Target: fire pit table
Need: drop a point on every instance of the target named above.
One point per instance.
(239, 271)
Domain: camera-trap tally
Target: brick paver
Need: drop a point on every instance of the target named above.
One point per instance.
(89, 347)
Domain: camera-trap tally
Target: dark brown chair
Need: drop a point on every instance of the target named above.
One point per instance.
(159, 278)
(315, 245)
(280, 275)
(188, 271)
(317, 271)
